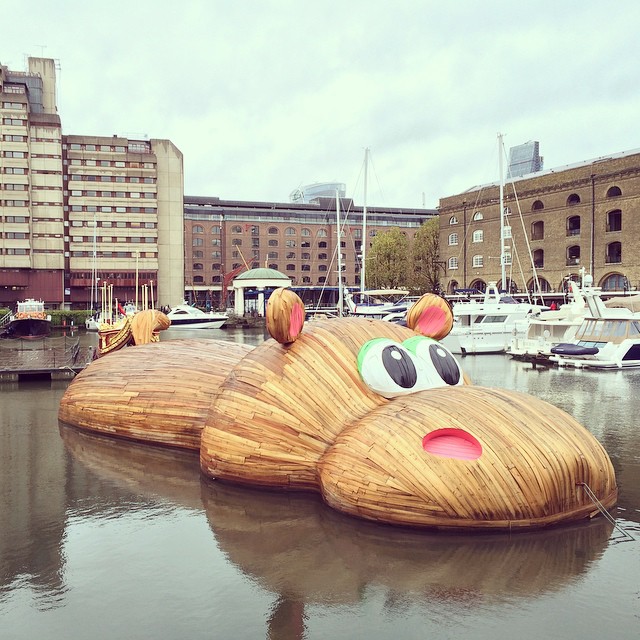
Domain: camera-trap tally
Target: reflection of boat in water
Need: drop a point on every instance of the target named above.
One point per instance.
(488, 325)
(185, 316)
(301, 550)
(29, 321)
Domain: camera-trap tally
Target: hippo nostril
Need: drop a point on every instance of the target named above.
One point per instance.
(452, 443)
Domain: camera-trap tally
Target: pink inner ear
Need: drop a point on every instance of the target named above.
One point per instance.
(431, 321)
(452, 443)
(296, 320)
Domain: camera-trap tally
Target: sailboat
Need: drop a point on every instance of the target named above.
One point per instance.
(373, 303)
(488, 325)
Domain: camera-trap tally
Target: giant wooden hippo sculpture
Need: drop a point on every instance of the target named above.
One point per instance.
(377, 417)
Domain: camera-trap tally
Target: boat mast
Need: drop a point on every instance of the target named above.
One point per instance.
(94, 267)
(339, 249)
(364, 223)
(503, 253)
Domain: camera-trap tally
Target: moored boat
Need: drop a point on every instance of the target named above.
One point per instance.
(185, 316)
(30, 320)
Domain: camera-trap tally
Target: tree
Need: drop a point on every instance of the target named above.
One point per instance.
(388, 261)
(424, 274)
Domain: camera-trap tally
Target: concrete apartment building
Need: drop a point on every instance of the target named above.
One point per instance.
(72, 205)
(585, 215)
(298, 239)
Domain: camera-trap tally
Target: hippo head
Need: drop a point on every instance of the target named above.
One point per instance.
(380, 419)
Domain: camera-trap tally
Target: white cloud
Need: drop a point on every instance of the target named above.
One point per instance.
(263, 96)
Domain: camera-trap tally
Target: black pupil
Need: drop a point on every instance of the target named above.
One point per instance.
(399, 366)
(446, 366)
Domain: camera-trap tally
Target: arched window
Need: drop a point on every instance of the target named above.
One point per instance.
(322, 256)
(614, 253)
(453, 220)
(322, 245)
(538, 205)
(306, 280)
(478, 216)
(615, 282)
(216, 230)
(306, 267)
(322, 267)
(198, 266)
(453, 263)
(480, 285)
(198, 279)
(273, 243)
(322, 279)
(614, 191)
(573, 199)
(215, 266)
(305, 256)
(272, 231)
(573, 255)
(291, 267)
(478, 236)
(289, 231)
(290, 243)
(538, 258)
(197, 229)
(272, 255)
(305, 232)
(573, 226)
(236, 228)
(614, 220)
(537, 230)
(322, 233)
(453, 285)
(273, 266)
(477, 261)
(545, 287)
(215, 279)
(453, 239)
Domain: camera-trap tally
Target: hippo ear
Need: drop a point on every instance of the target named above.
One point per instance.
(431, 316)
(285, 315)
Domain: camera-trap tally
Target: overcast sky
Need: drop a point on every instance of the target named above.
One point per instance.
(265, 96)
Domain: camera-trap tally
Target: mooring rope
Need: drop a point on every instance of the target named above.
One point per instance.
(602, 510)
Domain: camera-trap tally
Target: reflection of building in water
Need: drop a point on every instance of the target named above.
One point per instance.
(310, 192)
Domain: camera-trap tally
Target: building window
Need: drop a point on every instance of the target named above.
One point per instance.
(614, 253)
(289, 231)
(322, 245)
(573, 255)
(453, 239)
(198, 229)
(322, 233)
(477, 262)
(273, 243)
(573, 199)
(274, 266)
(198, 266)
(478, 236)
(197, 242)
(291, 255)
(322, 256)
(614, 220)
(291, 267)
(236, 242)
(478, 216)
(573, 226)
(452, 263)
(216, 254)
(215, 242)
(236, 228)
(306, 267)
(198, 279)
(322, 267)
(272, 231)
(290, 243)
(198, 254)
(538, 205)
(615, 282)
(614, 191)
(453, 220)
(537, 230)
(538, 258)
(306, 280)
(305, 232)
(216, 230)
(272, 255)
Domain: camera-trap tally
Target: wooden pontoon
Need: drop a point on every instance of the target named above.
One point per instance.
(376, 417)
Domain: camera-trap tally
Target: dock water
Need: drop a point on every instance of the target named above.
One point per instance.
(55, 357)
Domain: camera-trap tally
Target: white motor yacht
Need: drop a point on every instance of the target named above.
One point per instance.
(185, 316)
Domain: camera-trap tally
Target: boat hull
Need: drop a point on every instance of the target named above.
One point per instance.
(29, 328)
(197, 323)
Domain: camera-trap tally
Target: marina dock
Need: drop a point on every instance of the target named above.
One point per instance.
(56, 358)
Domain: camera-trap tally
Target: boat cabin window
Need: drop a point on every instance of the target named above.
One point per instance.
(494, 319)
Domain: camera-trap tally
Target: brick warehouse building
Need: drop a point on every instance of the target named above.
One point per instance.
(299, 240)
(585, 215)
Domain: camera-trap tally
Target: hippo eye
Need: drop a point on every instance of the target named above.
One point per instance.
(440, 365)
